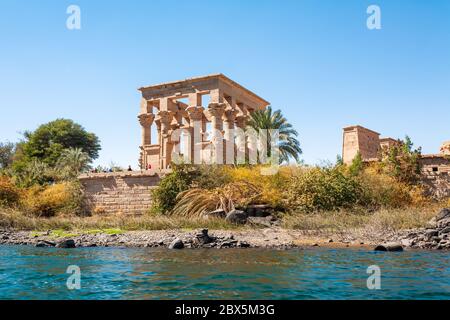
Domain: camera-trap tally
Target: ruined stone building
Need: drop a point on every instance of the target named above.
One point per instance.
(213, 101)
(435, 167)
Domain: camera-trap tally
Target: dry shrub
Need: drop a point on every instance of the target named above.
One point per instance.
(271, 187)
(49, 201)
(382, 190)
(196, 201)
(9, 193)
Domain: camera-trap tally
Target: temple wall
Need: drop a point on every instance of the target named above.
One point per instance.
(121, 192)
(436, 176)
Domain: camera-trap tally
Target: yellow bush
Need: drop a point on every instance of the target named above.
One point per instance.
(49, 201)
(382, 190)
(271, 187)
(9, 194)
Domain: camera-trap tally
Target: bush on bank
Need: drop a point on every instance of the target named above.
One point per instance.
(195, 190)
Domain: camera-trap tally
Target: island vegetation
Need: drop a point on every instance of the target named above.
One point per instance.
(39, 189)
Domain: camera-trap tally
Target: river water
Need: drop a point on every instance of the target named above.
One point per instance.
(317, 273)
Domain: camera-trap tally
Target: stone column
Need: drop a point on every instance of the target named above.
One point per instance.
(165, 117)
(195, 128)
(229, 152)
(242, 146)
(216, 111)
(146, 121)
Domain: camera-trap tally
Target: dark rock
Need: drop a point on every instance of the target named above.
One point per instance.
(243, 244)
(44, 243)
(444, 213)
(443, 223)
(431, 233)
(258, 210)
(68, 243)
(237, 216)
(203, 237)
(176, 244)
(389, 247)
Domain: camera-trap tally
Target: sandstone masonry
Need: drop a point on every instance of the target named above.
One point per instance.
(119, 192)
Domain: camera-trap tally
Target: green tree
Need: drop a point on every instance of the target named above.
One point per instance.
(34, 172)
(288, 144)
(357, 165)
(50, 140)
(401, 161)
(7, 151)
(73, 162)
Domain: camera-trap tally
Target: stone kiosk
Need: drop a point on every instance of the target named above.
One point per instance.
(176, 108)
(187, 107)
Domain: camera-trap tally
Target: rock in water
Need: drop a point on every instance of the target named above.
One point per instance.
(389, 247)
(203, 237)
(237, 216)
(69, 243)
(44, 244)
(176, 244)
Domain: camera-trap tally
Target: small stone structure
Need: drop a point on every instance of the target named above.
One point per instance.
(180, 107)
(119, 192)
(435, 167)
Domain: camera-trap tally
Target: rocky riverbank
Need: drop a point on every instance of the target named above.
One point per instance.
(435, 236)
(273, 237)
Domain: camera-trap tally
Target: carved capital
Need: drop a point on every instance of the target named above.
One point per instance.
(445, 148)
(146, 119)
(164, 117)
(216, 109)
(240, 120)
(230, 115)
(195, 113)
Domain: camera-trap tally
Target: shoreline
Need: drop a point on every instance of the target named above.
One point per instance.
(436, 236)
(269, 238)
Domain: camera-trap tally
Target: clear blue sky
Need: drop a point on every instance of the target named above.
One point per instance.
(316, 60)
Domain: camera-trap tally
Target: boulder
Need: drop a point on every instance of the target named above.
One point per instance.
(219, 213)
(237, 216)
(67, 244)
(389, 247)
(44, 243)
(176, 244)
(258, 210)
(203, 238)
(431, 233)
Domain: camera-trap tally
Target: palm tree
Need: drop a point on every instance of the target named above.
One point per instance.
(288, 144)
(74, 161)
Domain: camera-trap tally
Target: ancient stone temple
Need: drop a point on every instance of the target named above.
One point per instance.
(189, 114)
(435, 168)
